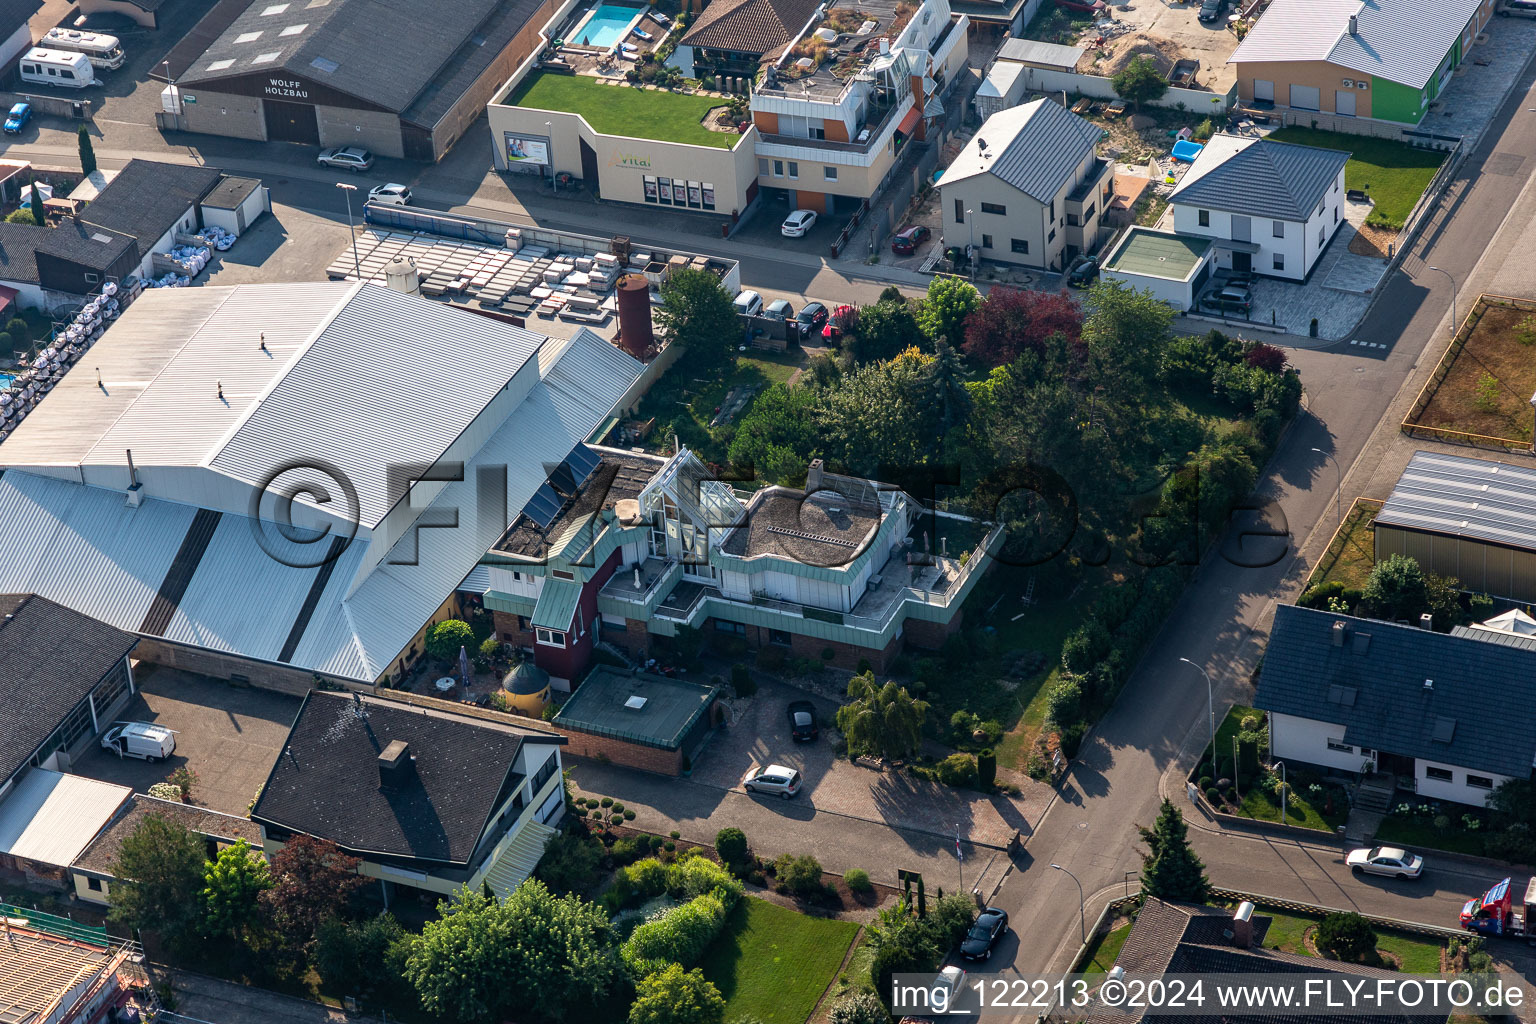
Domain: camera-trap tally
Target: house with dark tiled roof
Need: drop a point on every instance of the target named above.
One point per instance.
(1357, 695)
(732, 37)
(429, 799)
(92, 875)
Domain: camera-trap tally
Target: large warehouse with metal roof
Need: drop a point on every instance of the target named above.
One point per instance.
(400, 79)
(284, 482)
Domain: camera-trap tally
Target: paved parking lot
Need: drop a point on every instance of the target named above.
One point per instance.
(227, 735)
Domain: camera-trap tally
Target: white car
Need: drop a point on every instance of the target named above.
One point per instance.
(1392, 861)
(797, 223)
(948, 986)
(774, 778)
(748, 303)
(144, 740)
(348, 158)
(393, 194)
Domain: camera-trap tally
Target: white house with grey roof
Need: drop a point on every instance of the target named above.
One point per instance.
(1029, 188)
(1269, 207)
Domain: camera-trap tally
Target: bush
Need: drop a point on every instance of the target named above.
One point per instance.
(627, 851)
(675, 834)
(640, 881)
(801, 875)
(445, 639)
(569, 862)
(1250, 723)
(1214, 796)
(858, 880)
(362, 956)
(859, 1008)
(1085, 648)
(17, 328)
(606, 801)
(986, 770)
(730, 844)
(958, 770)
(1064, 702)
(1347, 936)
(1206, 782)
(950, 919)
(680, 936)
(617, 807)
(629, 815)
(700, 876)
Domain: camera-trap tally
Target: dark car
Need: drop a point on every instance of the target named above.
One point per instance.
(1210, 10)
(989, 927)
(1097, 8)
(811, 318)
(1082, 272)
(802, 721)
(906, 241)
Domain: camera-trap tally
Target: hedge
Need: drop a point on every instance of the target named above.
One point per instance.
(681, 936)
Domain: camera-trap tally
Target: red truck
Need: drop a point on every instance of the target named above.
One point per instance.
(1496, 914)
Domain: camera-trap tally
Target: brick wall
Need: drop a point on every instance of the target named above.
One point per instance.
(930, 636)
(845, 656)
(380, 130)
(619, 752)
(226, 666)
(637, 638)
(508, 630)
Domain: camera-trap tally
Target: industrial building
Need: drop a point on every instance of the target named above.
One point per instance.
(390, 76)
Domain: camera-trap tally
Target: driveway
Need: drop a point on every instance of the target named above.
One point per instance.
(228, 736)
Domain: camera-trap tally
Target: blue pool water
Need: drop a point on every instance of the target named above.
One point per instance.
(6, 380)
(608, 24)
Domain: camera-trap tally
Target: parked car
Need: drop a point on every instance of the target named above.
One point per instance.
(393, 194)
(1392, 861)
(989, 927)
(144, 740)
(347, 158)
(779, 309)
(1211, 10)
(748, 303)
(812, 318)
(773, 778)
(948, 987)
(1229, 297)
(1097, 8)
(1082, 271)
(802, 721)
(906, 241)
(839, 322)
(17, 119)
(798, 223)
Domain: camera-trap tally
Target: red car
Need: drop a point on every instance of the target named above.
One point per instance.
(905, 242)
(841, 321)
(1097, 8)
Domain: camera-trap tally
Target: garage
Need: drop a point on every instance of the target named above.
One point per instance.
(1306, 97)
(235, 203)
(291, 122)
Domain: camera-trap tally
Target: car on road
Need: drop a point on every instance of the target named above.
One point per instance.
(1392, 861)
(346, 158)
(1082, 271)
(947, 988)
(393, 194)
(1097, 8)
(989, 927)
(17, 119)
(802, 721)
(144, 740)
(779, 309)
(811, 318)
(906, 241)
(1212, 10)
(748, 303)
(798, 223)
(773, 778)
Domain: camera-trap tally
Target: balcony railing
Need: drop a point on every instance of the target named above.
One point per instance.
(876, 131)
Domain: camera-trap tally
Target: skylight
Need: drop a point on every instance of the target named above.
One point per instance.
(323, 64)
(293, 30)
(220, 65)
(266, 58)
(247, 37)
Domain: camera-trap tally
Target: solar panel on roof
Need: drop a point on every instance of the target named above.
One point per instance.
(582, 461)
(544, 506)
(563, 479)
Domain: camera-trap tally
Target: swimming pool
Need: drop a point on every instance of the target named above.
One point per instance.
(606, 26)
(6, 380)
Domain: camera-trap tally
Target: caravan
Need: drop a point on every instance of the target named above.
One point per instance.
(57, 67)
(104, 51)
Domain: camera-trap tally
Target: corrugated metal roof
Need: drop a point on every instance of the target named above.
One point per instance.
(50, 817)
(478, 581)
(1034, 147)
(1461, 497)
(557, 604)
(1260, 178)
(1403, 41)
(1033, 51)
(1494, 636)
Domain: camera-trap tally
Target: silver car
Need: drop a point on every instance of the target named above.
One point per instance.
(348, 158)
(773, 778)
(1392, 861)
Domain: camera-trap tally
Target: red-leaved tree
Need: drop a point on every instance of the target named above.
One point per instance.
(313, 879)
(1267, 357)
(1010, 322)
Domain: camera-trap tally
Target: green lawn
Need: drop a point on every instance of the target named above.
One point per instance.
(1393, 173)
(1401, 830)
(1105, 948)
(773, 964)
(1228, 729)
(625, 110)
(1351, 555)
(1415, 954)
(1261, 806)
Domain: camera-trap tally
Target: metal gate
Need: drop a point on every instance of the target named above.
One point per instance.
(291, 122)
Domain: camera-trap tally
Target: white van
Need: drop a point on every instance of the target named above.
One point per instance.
(139, 739)
(57, 67)
(104, 51)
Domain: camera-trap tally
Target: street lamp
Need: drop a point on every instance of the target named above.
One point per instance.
(1082, 926)
(1451, 279)
(347, 191)
(1339, 491)
(549, 153)
(1210, 706)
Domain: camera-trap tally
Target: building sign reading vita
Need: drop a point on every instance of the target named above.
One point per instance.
(629, 160)
(287, 88)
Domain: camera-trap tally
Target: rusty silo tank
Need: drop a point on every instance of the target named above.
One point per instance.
(635, 334)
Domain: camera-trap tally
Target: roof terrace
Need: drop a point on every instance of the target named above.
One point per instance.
(853, 38)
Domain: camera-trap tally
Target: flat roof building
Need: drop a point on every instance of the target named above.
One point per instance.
(1172, 267)
(638, 720)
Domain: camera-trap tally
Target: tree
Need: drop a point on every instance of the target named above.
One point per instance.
(87, 153)
(942, 314)
(886, 329)
(1140, 81)
(232, 886)
(35, 204)
(159, 872)
(1011, 321)
(18, 329)
(731, 845)
(312, 880)
(1266, 357)
(1514, 802)
(1396, 588)
(445, 639)
(1442, 599)
(561, 946)
(570, 861)
(884, 720)
(946, 388)
(366, 957)
(880, 417)
(778, 436)
(1347, 936)
(986, 770)
(1125, 332)
(696, 312)
(676, 996)
(1169, 869)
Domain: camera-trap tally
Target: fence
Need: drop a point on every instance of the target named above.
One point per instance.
(1199, 102)
(1331, 554)
(53, 924)
(1431, 387)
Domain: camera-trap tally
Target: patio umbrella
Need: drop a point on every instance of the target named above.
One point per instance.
(464, 665)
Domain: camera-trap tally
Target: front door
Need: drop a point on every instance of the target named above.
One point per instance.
(1344, 102)
(1242, 262)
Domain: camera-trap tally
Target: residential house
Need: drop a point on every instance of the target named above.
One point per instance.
(50, 268)
(91, 873)
(1029, 188)
(1470, 519)
(1386, 60)
(429, 799)
(639, 720)
(151, 201)
(730, 39)
(1270, 207)
(15, 32)
(1362, 695)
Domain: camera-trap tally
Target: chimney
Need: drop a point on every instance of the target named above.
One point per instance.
(1340, 631)
(1242, 925)
(1354, 24)
(1426, 621)
(634, 298)
(813, 476)
(395, 765)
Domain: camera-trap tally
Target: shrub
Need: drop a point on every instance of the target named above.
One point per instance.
(445, 639)
(1250, 723)
(617, 807)
(1064, 702)
(165, 791)
(859, 1008)
(801, 875)
(730, 844)
(1085, 647)
(629, 815)
(679, 936)
(700, 876)
(741, 680)
(606, 801)
(17, 328)
(569, 862)
(640, 881)
(986, 770)
(675, 834)
(627, 851)
(958, 770)
(1206, 782)
(1213, 795)
(858, 880)
(1347, 936)
(616, 819)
